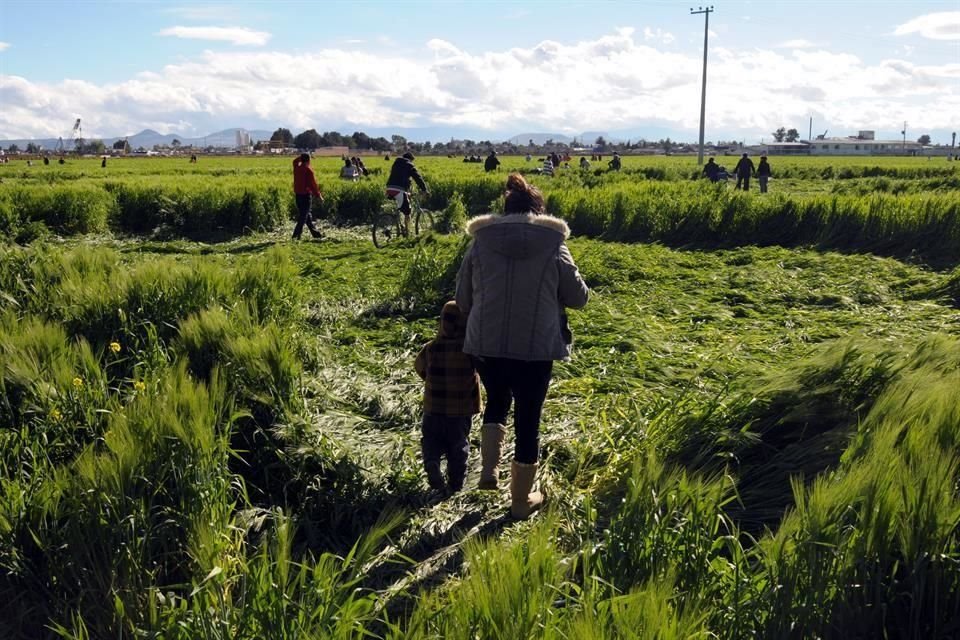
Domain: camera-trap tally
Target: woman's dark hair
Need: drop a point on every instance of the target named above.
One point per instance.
(521, 196)
(305, 158)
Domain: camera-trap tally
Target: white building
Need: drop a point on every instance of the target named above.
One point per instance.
(858, 147)
(243, 139)
(862, 144)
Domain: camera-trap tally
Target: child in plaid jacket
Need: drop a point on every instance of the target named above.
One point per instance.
(451, 397)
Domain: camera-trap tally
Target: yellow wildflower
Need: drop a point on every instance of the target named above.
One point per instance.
(115, 347)
(139, 385)
(55, 415)
(78, 382)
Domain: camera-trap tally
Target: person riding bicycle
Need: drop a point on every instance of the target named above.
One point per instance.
(398, 184)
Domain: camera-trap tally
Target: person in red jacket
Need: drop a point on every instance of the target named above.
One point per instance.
(304, 186)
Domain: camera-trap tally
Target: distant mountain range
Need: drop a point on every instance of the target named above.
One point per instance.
(227, 137)
(148, 138)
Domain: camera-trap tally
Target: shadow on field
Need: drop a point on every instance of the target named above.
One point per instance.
(940, 261)
(435, 558)
(251, 247)
(179, 246)
(313, 269)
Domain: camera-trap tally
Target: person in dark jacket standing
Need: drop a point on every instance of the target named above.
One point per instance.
(711, 170)
(304, 190)
(451, 397)
(515, 282)
(402, 173)
(763, 173)
(555, 160)
(744, 170)
(492, 162)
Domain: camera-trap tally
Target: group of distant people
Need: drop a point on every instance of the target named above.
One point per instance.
(46, 161)
(554, 161)
(744, 170)
(551, 162)
(403, 173)
(353, 168)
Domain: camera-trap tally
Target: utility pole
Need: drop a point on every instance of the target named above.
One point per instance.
(706, 11)
(903, 149)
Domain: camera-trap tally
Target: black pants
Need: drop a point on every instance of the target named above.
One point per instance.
(445, 436)
(525, 385)
(304, 202)
(745, 181)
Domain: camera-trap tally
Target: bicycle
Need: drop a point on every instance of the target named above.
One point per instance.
(388, 223)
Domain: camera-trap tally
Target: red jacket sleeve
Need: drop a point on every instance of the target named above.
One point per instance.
(314, 189)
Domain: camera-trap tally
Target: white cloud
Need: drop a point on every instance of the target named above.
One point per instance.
(657, 35)
(4, 46)
(236, 35)
(944, 25)
(615, 82)
(798, 43)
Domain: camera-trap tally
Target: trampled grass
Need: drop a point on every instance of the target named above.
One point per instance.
(221, 440)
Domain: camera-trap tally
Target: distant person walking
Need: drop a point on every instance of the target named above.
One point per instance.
(615, 163)
(584, 163)
(451, 397)
(744, 170)
(515, 282)
(304, 190)
(763, 173)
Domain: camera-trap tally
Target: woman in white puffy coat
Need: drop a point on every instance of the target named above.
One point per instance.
(515, 282)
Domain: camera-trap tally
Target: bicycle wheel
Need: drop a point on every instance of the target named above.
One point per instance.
(423, 221)
(386, 229)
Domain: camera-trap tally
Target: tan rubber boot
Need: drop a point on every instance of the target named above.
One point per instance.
(491, 448)
(524, 500)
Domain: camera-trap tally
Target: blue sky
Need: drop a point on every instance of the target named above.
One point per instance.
(495, 68)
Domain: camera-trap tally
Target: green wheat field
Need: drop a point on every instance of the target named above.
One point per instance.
(210, 431)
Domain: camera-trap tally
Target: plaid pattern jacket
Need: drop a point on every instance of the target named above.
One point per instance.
(452, 385)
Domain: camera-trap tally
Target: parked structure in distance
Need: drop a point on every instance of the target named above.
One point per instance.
(862, 144)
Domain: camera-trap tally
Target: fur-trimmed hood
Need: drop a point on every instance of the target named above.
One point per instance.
(541, 219)
(519, 235)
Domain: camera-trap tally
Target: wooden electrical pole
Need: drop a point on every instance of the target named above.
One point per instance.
(706, 11)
